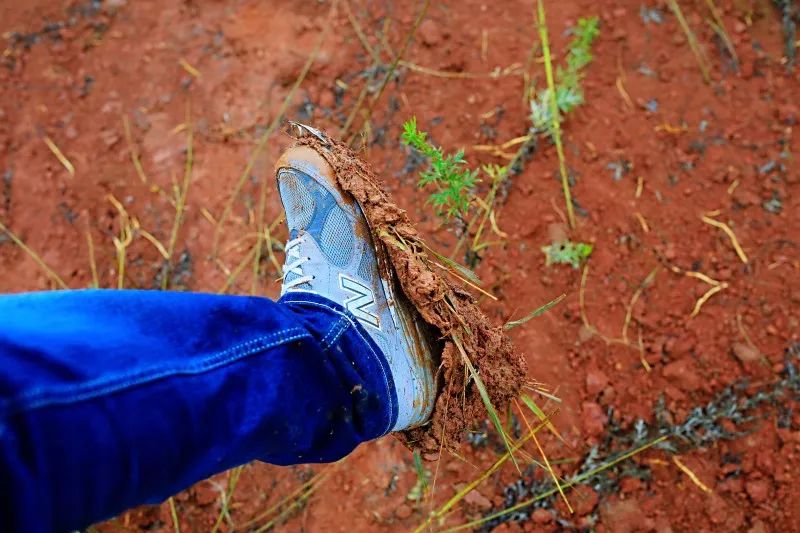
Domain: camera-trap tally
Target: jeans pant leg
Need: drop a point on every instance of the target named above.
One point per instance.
(110, 399)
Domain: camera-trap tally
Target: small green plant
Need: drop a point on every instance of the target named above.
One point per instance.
(567, 253)
(568, 92)
(422, 485)
(448, 174)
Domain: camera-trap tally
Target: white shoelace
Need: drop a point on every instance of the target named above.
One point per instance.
(294, 263)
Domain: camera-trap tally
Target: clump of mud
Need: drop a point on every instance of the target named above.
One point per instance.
(441, 301)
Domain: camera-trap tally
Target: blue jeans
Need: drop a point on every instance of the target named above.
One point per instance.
(110, 399)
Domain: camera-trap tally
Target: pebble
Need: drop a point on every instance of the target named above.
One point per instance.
(478, 500)
(758, 490)
(788, 114)
(205, 493)
(593, 418)
(430, 33)
(327, 99)
(596, 381)
(745, 353)
(403, 512)
(542, 516)
(682, 373)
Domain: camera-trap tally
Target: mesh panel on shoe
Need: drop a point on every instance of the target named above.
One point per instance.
(337, 239)
(298, 202)
(365, 268)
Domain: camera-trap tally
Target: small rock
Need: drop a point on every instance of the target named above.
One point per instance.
(430, 33)
(542, 516)
(788, 114)
(629, 484)
(682, 372)
(593, 418)
(585, 333)
(758, 490)
(745, 353)
(109, 137)
(557, 232)
(583, 500)
(596, 381)
(205, 493)
(745, 198)
(327, 99)
(622, 516)
(403, 512)
(478, 500)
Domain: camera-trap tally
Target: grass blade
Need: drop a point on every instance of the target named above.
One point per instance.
(571, 483)
(554, 113)
(493, 416)
(538, 312)
(548, 466)
(33, 255)
(449, 504)
(690, 36)
(530, 404)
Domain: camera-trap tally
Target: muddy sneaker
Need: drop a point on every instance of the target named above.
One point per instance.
(330, 253)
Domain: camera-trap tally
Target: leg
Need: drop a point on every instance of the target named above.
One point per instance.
(110, 399)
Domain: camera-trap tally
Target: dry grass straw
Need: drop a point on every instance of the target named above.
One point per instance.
(554, 112)
(485, 213)
(425, 4)
(692, 476)
(729, 232)
(135, 159)
(716, 286)
(60, 156)
(292, 501)
(490, 409)
(189, 68)
(718, 25)
(92, 261)
(447, 507)
(692, 39)
(180, 199)
(174, 513)
(33, 255)
(227, 495)
(262, 142)
(569, 484)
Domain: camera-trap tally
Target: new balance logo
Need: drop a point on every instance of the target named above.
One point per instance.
(361, 301)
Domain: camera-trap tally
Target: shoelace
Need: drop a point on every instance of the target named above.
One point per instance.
(294, 263)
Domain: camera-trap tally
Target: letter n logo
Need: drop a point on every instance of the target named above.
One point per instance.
(360, 301)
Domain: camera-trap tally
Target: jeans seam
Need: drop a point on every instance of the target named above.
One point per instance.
(341, 326)
(92, 389)
(344, 316)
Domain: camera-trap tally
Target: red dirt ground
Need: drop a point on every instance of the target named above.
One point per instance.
(727, 146)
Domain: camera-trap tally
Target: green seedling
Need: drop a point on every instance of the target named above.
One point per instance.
(420, 488)
(567, 253)
(567, 87)
(449, 175)
(454, 195)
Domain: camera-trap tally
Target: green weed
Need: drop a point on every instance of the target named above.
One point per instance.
(567, 253)
(448, 174)
(420, 488)
(568, 91)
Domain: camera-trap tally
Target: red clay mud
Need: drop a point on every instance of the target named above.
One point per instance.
(443, 302)
(652, 150)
